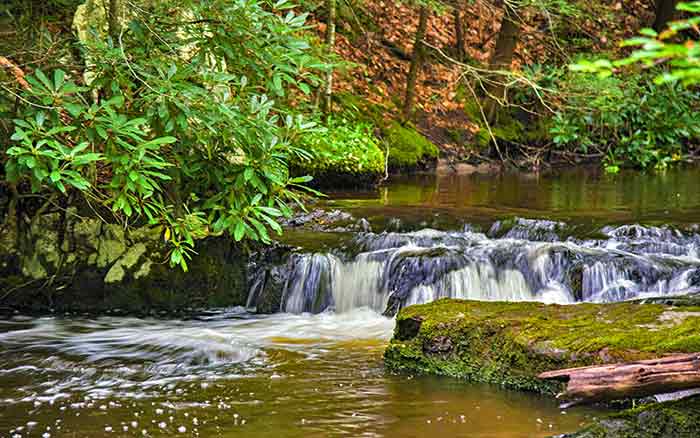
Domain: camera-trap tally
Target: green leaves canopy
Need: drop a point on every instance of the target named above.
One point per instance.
(186, 120)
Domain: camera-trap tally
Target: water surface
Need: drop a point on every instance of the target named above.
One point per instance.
(576, 195)
(237, 375)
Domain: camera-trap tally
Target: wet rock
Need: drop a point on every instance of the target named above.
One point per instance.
(511, 343)
(320, 220)
(528, 229)
(75, 264)
(319, 217)
(364, 226)
(691, 299)
(268, 273)
(407, 328)
(678, 419)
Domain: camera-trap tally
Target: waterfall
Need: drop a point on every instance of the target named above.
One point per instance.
(391, 270)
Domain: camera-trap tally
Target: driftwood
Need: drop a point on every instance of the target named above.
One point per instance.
(628, 380)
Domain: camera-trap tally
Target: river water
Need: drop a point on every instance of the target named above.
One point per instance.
(315, 368)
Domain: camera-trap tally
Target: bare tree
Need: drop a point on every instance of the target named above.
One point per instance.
(330, 44)
(501, 59)
(113, 26)
(665, 12)
(416, 62)
(459, 33)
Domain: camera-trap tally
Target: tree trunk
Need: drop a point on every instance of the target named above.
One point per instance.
(330, 44)
(416, 63)
(113, 20)
(459, 34)
(665, 12)
(501, 60)
(629, 380)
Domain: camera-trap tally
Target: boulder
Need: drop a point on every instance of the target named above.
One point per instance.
(75, 264)
(511, 343)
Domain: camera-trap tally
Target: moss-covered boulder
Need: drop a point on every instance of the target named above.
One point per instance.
(678, 419)
(511, 343)
(347, 154)
(408, 149)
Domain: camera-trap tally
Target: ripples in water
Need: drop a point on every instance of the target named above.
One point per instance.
(235, 374)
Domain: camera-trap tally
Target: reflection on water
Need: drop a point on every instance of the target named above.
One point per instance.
(233, 374)
(578, 195)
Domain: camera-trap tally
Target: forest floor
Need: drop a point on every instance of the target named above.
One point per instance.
(377, 40)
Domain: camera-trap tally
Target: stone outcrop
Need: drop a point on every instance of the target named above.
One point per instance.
(511, 343)
(83, 264)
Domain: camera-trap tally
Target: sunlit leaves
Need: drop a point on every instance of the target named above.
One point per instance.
(652, 48)
(187, 122)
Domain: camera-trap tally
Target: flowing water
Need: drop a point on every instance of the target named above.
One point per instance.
(314, 368)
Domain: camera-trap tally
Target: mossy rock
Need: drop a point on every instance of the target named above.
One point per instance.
(90, 266)
(408, 148)
(346, 155)
(678, 419)
(511, 343)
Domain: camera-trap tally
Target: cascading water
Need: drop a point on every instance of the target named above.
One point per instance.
(526, 261)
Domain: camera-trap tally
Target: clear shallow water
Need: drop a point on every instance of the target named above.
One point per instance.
(233, 374)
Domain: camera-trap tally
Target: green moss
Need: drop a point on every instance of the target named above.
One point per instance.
(508, 126)
(346, 150)
(359, 109)
(408, 149)
(679, 419)
(510, 343)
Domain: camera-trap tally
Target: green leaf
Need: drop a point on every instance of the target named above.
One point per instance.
(272, 223)
(58, 77)
(44, 80)
(61, 187)
(239, 230)
(304, 88)
(271, 211)
(159, 141)
(301, 179)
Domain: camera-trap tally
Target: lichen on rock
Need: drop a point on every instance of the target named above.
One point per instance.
(83, 264)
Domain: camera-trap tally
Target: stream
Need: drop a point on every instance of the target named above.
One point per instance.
(314, 368)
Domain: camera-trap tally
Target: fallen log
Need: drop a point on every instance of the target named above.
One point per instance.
(629, 379)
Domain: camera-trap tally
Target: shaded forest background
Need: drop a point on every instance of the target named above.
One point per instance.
(213, 117)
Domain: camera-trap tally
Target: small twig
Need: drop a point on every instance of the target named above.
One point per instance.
(18, 287)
